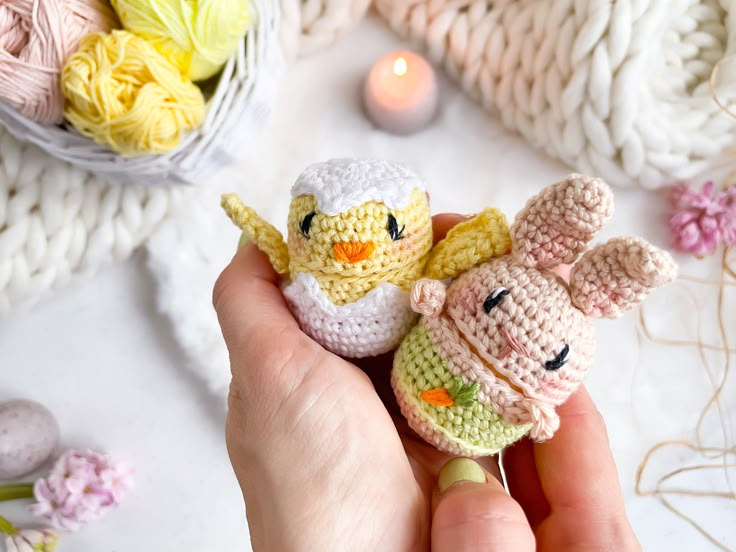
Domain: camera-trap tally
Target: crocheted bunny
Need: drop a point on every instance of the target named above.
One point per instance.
(359, 235)
(506, 342)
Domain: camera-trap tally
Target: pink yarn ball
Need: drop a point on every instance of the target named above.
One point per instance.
(36, 38)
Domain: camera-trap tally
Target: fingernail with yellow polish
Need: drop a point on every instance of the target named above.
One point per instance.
(460, 469)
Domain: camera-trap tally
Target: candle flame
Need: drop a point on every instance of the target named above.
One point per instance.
(400, 66)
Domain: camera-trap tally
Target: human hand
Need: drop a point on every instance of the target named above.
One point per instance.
(565, 492)
(326, 462)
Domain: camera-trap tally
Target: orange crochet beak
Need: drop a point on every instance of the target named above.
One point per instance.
(353, 252)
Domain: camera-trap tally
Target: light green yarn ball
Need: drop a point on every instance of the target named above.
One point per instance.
(198, 36)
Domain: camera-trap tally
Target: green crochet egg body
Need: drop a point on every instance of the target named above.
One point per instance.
(469, 427)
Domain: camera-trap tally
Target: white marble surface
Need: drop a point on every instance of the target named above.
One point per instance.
(102, 358)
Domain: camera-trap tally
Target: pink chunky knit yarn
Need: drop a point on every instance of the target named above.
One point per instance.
(36, 38)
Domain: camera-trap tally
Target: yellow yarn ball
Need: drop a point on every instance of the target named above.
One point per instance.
(122, 93)
(198, 36)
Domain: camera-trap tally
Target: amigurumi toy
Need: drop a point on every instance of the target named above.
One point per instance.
(509, 340)
(359, 235)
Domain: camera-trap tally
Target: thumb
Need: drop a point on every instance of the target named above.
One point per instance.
(259, 329)
(248, 301)
(474, 512)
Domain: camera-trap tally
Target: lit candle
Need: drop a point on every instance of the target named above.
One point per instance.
(400, 92)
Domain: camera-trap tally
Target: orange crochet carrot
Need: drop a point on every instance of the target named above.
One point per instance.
(438, 397)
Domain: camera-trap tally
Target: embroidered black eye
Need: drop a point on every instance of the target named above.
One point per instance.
(559, 361)
(494, 298)
(393, 229)
(305, 224)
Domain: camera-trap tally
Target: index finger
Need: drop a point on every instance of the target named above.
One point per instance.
(576, 467)
(443, 223)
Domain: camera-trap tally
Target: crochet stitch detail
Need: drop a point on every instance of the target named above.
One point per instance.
(368, 326)
(515, 329)
(474, 430)
(340, 184)
(265, 236)
(557, 225)
(624, 268)
(346, 270)
(468, 244)
(349, 272)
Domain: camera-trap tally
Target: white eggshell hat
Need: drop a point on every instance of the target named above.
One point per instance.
(339, 184)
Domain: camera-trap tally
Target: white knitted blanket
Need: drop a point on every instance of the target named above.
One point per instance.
(57, 220)
(618, 88)
(308, 26)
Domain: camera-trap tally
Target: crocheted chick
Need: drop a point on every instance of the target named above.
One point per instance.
(509, 340)
(359, 235)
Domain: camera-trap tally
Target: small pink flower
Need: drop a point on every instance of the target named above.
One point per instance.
(703, 219)
(81, 487)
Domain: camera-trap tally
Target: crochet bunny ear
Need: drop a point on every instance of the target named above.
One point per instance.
(617, 275)
(557, 224)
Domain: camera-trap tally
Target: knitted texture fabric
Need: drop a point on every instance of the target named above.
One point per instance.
(510, 338)
(57, 220)
(308, 26)
(350, 268)
(619, 89)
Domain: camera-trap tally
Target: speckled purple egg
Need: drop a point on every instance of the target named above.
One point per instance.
(28, 435)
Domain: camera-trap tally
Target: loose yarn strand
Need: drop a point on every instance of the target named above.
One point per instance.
(649, 334)
(726, 451)
(662, 494)
(714, 76)
(715, 398)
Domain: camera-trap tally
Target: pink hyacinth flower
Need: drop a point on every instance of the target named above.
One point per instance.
(81, 487)
(703, 219)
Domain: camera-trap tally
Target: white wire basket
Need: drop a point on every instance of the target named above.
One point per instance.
(238, 103)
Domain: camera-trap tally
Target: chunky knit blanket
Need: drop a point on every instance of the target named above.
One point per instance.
(619, 89)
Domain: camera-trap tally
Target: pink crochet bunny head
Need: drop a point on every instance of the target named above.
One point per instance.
(530, 329)
(521, 322)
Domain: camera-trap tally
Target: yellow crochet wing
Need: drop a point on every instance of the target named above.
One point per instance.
(468, 244)
(266, 237)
